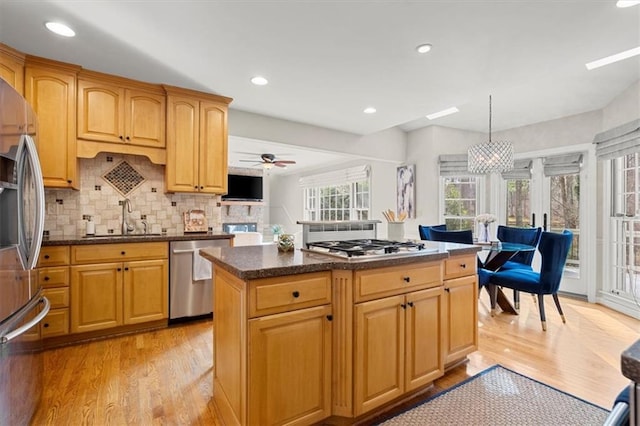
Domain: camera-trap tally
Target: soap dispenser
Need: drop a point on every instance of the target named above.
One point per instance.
(91, 226)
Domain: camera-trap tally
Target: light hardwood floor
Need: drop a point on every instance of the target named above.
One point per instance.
(165, 377)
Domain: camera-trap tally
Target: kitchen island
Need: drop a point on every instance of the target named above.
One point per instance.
(302, 337)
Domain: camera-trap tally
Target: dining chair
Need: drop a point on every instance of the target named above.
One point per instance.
(554, 249)
(528, 236)
(423, 230)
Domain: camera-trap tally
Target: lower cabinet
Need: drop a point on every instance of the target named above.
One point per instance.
(461, 313)
(290, 367)
(53, 277)
(112, 294)
(398, 346)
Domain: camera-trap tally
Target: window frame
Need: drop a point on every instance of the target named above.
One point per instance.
(480, 198)
(312, 201)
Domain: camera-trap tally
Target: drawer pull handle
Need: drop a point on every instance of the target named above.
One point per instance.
(46, 278)
(296, 294)
(406, 279)
(463, 265)
(330, 317)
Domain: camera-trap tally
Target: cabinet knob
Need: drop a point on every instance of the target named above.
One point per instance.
(463, 265)
(121, 138)
(119, 269)
(46, 278)
(330, 317)
(410, 304)
(128, 138)
(123, 253)
(69, 181)
(296, 294)
(126, 269)
(403, 306)
(447, 290)
(46, 256)
(195, 187)
(406, 279)
(202, 187)
(45, 325)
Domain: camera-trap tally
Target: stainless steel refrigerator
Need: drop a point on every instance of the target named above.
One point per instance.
(22, 305)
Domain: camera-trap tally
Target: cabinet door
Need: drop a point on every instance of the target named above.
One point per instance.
(145, 291)
(145, 119)
(12, 68)
(52, 94)
(461, 317)
(183, 125)
(424, 354)
(379, 352)
(100, 111)
(96, 297)
(213, 148)
(290, 367)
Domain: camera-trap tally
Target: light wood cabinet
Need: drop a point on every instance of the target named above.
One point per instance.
(461, 317)
(50, 88)
(398, 346)
(109, 111)
(196, 142)
(110, 294)
(276, 367)
(53, 277)
(12, 67)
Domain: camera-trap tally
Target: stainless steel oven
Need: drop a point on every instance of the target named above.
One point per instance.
(190, 280)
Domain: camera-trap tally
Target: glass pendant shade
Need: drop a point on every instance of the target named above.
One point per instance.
(490, 157)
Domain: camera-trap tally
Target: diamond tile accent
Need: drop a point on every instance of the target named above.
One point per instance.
(124, 178)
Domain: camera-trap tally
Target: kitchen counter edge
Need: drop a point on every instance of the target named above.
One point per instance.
(254, 262)
(119, 239)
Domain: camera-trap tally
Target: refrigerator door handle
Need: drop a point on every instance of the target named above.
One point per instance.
(29, 155)
(23, 328)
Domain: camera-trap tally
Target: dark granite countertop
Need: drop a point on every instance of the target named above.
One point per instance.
(133, 238)
(630, 362)
(251, 262)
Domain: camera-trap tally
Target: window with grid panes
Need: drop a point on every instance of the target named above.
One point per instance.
(350, 201)
(460, 202)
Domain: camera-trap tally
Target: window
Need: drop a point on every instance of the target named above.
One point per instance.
(518, 202)
(460, 202)
(625, 224)
(339, 195)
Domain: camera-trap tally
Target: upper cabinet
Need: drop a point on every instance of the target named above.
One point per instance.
(50, 88)
(196, 142)
(123, 112)
(12, 67)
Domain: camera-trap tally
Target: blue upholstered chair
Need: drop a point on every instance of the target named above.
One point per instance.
(437, 233)
(528, 236)
(423, 230)
(554, 248)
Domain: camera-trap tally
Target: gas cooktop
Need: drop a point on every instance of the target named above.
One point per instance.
(367, 249)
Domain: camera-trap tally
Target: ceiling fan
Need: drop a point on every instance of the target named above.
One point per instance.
(269, 160)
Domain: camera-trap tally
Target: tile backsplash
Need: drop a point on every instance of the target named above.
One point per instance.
(67, 211)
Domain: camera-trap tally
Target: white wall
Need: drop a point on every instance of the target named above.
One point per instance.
(624, 108)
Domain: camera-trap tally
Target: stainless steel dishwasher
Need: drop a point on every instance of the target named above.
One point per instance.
(190, 297)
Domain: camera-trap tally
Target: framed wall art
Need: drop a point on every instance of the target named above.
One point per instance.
(406, 191)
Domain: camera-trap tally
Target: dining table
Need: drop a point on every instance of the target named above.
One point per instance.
(492, 257)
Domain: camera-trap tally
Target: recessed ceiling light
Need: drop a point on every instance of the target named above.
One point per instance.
(627, 3)
(369, 110)
(423, 48)
(259, 81)
(613, 58)
(60, 29)
(442, 113)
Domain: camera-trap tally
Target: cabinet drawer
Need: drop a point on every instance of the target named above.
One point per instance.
(100, 253)
(53, 256)
(58, 297)
(375, 283)
(53, 277)
(460, 266)
(281, 294)
(56, 323)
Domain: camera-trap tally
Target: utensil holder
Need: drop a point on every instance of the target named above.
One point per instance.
(395, 231)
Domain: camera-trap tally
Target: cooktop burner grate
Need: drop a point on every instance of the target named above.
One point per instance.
(364, 247)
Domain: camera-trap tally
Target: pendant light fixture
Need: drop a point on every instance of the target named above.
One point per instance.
(490, 157)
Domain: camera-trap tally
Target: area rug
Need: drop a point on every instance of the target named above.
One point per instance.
(499, 396)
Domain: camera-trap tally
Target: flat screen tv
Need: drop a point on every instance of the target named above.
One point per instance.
(243, 188)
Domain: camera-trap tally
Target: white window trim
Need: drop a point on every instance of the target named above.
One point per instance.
(480, 195)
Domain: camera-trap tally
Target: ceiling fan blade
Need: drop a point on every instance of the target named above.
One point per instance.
(248, 161)
(284, 162)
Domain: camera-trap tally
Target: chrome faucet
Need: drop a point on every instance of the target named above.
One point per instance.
(126, 207)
